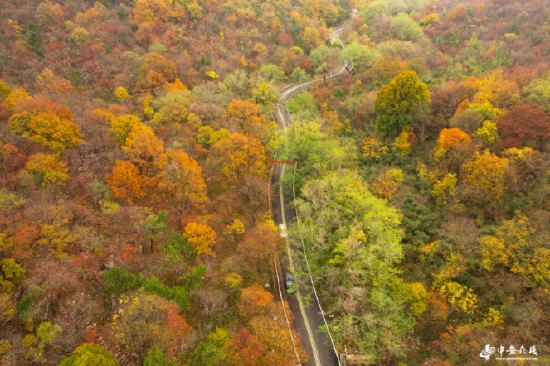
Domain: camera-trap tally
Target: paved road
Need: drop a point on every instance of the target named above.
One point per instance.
(308, 319)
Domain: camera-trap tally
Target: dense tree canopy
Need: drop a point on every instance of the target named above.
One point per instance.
(138, 223)
(525, 126)
(90, 355)
(396, 102)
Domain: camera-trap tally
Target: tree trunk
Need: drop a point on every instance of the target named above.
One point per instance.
(182, 213)
(151, 245)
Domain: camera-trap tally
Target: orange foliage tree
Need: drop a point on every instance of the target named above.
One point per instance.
(241, 155)
(181, 175)
(245, 349)
(264, 313)
(144, 320)
(241, 110)
(49, 15)
(151, 11)
(47, 82)
(448, 139)
(156, 71)
(37, 105)
(388, 182)
(248, 118)
(525, 125)
(142, 146)
(125, 181)
(257, 247)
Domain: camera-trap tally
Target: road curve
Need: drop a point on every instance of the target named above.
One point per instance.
(308, 319)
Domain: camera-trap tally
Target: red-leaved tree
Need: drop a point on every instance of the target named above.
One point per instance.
(525, 125)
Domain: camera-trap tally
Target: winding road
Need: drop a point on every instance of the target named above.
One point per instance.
(308, 316)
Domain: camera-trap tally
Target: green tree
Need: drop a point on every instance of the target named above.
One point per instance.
(303, 103)
(538, 91)
(207, 354)
(272, 72)
(156, 357)
(316, 153)
(156, 226)
(474, 41)
(265, 96)
(339, 94)
(361, 55)
(354, 245)
(298, 75)
(323, 59)
(159, 48)
(119, 280)
(396, 102)
(90, 355)
(404, 28)
(375, 8)
(36, 344)
(177, 294)
(178, 245)
(194, 278)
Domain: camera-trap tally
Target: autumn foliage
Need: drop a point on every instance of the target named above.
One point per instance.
(396, 102)
(201, 237)
(139, 219)
(524, 126)
(448, 139)
(487, 173)
(181, 176)
(125, 181)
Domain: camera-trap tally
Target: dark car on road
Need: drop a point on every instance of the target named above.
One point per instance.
(290, 283)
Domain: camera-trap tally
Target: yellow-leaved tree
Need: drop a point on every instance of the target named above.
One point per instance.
(443, 184)
(121, 93)
(122, 126)
(48, 129)
(402, 144)
(14, 97)
(240, 155)
(373, 148)
(486, 175)
(50, 169)
(201, 237)
(517, 247)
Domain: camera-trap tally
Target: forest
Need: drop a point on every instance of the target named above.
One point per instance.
(135, 181)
